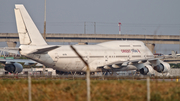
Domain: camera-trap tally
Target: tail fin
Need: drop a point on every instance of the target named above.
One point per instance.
(173, 54)
(27, 30)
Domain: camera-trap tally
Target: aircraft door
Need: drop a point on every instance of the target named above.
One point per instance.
(106, 57)
(131, 52)
(86, 56)
(56, 57)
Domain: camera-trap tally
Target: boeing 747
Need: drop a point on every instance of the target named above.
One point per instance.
(106, 56)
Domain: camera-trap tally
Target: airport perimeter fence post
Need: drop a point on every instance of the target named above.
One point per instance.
(29, 86)
(87, 74)
(132, 74)
(88, 84)
(44, 69)
(73, 76)
(148, 89)
(102, 76)
(177, 79)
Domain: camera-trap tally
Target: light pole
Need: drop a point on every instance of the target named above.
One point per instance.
(94, 27)
(44, 20)
(84, 27)
(119, 24)
(44, 35)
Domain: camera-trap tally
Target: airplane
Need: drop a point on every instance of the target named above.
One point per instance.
(174, 55)
(14, 65)
(107, 56)
(13, 50)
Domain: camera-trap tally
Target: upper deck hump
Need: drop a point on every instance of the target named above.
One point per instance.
(121, 42)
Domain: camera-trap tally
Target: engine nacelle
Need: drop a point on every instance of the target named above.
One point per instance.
(147, 70)
(14, 68)
(163, 67)
(107, 67)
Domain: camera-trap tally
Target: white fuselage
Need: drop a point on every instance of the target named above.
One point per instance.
(106, 56)
(65, 59)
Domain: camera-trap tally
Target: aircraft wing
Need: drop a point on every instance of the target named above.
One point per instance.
(25, 61)
(131, 62)
(14, 50)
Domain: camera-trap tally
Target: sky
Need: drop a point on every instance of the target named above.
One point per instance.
(70, 16)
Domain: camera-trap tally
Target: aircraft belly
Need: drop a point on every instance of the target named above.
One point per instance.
(129, 67)
(43, 59)
(69, 65)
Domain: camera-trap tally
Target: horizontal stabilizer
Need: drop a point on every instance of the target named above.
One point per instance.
(44, 50)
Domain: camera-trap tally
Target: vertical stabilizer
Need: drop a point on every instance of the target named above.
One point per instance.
(28, 32)
(23, 35)
(173, 54)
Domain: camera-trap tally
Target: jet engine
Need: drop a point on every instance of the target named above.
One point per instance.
(147, 69)
(163, 67)
(13, 68)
